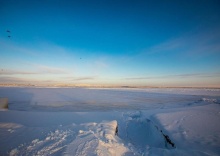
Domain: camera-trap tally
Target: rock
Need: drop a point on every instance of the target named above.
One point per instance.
(4, 103)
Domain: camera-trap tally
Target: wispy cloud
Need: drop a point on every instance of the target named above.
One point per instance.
(101, 63)
(38, 50)
(166, 46)
(15, 80)
(202, 43)
(9, 79)
(84, 78)
(37, 69)
(16, 72)
(15, 47)
(51, 70)
(176, 76)
(79, 78)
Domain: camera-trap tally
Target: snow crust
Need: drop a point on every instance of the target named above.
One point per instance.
(197, 128)
(73, 121)
(97, 139)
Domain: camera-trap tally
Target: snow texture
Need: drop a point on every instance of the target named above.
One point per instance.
(76, 121)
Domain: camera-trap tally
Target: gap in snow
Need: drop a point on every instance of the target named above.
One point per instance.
(141, 134)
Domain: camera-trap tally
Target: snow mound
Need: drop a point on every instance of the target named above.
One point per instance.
(97, 139)
(84, 139)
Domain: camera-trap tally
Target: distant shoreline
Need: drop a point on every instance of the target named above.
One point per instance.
(101, 86)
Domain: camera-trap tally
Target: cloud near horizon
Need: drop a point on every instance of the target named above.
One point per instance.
(39, 69)
(11, 80)
(194, 75)
(84, 78)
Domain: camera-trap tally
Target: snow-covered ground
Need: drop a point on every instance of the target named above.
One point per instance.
(77, 121)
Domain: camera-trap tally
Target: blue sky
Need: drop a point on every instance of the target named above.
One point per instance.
(109, 42)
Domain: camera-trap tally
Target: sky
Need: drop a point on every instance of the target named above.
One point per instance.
(110, 42)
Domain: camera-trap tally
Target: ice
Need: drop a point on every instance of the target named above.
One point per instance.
(80, 99)
(80, 121)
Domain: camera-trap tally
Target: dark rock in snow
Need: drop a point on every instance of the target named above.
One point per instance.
(116, 130)
(167, 139)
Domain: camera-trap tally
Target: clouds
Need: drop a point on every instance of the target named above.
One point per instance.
(177, 80)
(12, 47)
(84, 78)
(182, 76)
(37, 59)
(9, 79)
(15, 72)
(48, 63)
(138, 47)
(41, 52)
(51, 70)
(37, 70)
(35, 73)
(167, 46)
(203, 43)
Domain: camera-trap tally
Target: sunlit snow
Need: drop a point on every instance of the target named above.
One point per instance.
(77, 121)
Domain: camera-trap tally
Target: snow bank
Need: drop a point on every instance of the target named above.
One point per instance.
(91, 139)
(97, 139)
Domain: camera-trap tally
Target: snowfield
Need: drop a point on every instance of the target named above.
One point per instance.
(114, 122)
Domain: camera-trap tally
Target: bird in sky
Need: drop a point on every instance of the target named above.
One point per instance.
(8, 31)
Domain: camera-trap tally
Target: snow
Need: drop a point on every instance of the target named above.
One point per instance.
(77, 121)
(97, 139)
(196, 127)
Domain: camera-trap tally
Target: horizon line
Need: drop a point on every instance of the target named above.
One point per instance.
(103, 86)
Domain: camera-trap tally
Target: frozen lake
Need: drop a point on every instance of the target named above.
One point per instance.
(114, 122)
(82, 99)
